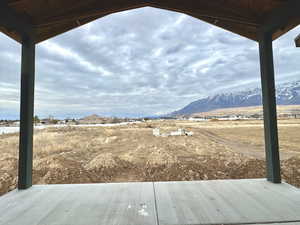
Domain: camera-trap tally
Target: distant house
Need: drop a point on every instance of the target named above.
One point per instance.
(197, 119)
(16, 123)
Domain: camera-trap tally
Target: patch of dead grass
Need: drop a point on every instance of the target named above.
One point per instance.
(132, 153)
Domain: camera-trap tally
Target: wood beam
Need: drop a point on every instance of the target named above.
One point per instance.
(236, 28)
(13, 22)
(278, 19)
(239, 21)
(269, 108)
(57, 29)
(209, 9)
(26, 113)
(297, 41)
(49, 27)
(92, 10)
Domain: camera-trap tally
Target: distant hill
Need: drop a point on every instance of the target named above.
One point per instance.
(249, 110)
(92, 117)
(95, 119)
(286, 94)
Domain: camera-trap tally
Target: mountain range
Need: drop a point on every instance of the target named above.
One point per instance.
(286, 94)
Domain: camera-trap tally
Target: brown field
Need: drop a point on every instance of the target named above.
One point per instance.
(217, 150)
(250, 110)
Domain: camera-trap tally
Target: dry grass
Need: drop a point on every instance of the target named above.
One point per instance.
(250, 110)
(217, 150)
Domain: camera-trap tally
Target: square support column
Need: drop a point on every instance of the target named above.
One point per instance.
(269, 108)
(26, 113)
(297, 41)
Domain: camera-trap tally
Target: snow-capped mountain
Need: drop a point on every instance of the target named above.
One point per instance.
(286, 94)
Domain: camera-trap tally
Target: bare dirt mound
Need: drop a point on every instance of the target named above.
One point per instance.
(207, 168)
(291, 171)
(109, 168)
(8, 181)
(106, 167)
(8, 162)
(159, 156)
(132, 153)
(8, 172)
(59, 169)
(105, 160)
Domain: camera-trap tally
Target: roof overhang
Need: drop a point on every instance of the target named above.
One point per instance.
(44, 19)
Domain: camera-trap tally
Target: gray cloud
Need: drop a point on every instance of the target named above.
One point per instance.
(138, 62)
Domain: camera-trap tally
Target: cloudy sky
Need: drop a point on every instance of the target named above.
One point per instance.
(139, 62)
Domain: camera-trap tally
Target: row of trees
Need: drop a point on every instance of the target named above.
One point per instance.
(50, 120)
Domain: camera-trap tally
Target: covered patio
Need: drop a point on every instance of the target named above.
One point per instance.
(254, 201)
(266, 201)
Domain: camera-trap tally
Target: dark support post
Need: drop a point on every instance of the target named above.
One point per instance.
(297, 41)
(269, 107)
(26, 113)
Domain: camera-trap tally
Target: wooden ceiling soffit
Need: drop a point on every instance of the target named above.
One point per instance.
(14, 25)
(61, 23)
(87, 11)
(241, 18)
(248, 32)
(242, 26)
(209, 9)
(57, 29)
(282, 19)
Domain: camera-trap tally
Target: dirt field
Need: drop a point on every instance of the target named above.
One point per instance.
(250, 110)
(217, 150)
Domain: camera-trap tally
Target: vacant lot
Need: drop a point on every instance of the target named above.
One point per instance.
(217, 150)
